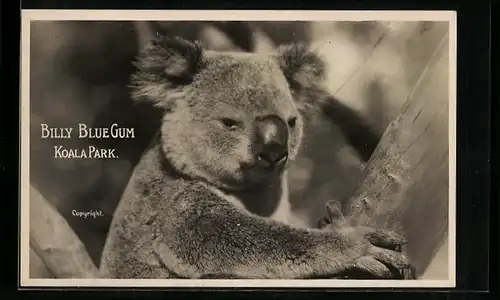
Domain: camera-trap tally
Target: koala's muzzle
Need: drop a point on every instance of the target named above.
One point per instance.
(271, 142)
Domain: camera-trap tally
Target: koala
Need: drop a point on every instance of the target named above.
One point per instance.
(208, 198)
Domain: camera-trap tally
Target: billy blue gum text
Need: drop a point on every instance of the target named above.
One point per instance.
(85, 132)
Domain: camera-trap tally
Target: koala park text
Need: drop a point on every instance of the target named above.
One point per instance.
(83, 131)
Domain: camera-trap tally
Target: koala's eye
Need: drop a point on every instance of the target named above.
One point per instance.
(230, 123)
(292, 122)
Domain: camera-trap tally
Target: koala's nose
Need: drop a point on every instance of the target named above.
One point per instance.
(272, 141)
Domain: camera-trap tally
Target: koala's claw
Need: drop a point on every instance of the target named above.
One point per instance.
(334, 210)
(334, 215)
(369, 265)
(384, 258)
(386, 239)
(390, 258)
(387, 249)
(380, 264)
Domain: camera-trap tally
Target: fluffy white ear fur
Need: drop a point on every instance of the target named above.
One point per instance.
(303, 68)
(168, 64)
(163, 68)
(305, 71)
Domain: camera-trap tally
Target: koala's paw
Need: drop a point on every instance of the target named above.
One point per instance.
(383, 257)
(335, 216)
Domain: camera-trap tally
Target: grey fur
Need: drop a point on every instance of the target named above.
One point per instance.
(188, 212)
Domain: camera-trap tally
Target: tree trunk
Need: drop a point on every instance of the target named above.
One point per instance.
(55, 250)
(38, 269)
(406, 187)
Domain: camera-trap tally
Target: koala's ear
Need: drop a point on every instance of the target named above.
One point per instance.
(302, 67)
(165, 64)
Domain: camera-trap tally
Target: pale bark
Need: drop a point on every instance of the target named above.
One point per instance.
(54, 247)
(405, 187)
(37, 266)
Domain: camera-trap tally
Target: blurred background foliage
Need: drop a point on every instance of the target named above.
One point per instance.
(79, 73)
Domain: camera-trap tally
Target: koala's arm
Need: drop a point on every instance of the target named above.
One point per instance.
(210, 238)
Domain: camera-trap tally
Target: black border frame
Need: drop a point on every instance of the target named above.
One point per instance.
(475, 187)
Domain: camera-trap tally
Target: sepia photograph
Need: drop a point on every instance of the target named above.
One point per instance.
(219, 148)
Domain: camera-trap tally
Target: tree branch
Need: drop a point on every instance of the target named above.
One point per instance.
(405, 186)
(53, 243)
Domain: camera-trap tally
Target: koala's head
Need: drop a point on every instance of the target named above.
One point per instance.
(231, 119)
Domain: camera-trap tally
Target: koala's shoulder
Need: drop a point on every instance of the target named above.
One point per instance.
(152, 181)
